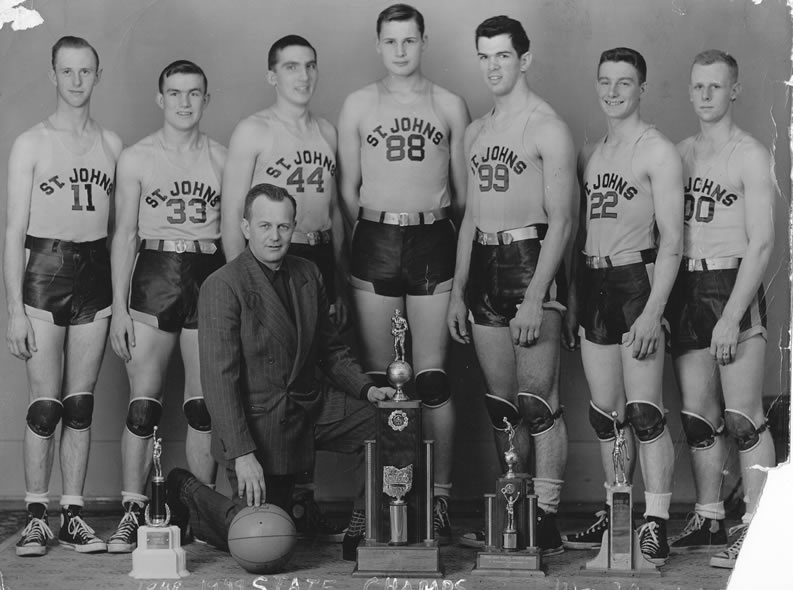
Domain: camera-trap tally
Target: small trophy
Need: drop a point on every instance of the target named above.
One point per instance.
(159, 553)
(400, 536)
(510, 523)
(620, 553)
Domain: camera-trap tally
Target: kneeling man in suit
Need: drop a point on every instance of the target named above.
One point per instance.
(271, 363)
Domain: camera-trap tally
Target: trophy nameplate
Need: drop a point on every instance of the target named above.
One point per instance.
(159, 554)
(510, 524)
(399, 483)
(620, 552)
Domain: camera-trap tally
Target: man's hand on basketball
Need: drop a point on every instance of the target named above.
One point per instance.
(525, 326)
(250, 480)
(20, 336)
(643, 336)
(122, 335)
(379, 394)
(457, 320)
(724, 341)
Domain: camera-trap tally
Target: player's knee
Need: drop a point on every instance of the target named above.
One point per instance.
(197, 414)
(143, 414)
(602, 423)
(78, 409)
(647, 419)
(537, 412)
(499, 409)
(743, 429)
(43, 416)
(432, 388)
(700, 433)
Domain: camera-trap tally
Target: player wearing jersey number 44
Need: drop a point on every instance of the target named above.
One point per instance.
(631, 192)
(169, 197)
(717, 306)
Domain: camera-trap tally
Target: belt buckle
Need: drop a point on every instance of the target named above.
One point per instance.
(180, 246)
(482, 238)
(429, 218)
(506, 238)
(594, 261)
(404, 219)
(313, 238)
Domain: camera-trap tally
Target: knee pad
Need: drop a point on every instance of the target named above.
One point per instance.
(602, 423)
(499, 409)
(143, 414)
(432, 388)
(197, 414)
(647, 419)
(43, 416)
(536, 411)
(78, 408)
(700, 433)
(379, 379)
(743, 429)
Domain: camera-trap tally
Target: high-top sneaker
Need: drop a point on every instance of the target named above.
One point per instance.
(440, 520)
(729, 556)
(699, 535)
(36, 532)
(548, 538)
(652, 540)
(125, 539)
(591, 537)
(76, 534)
(356, 531)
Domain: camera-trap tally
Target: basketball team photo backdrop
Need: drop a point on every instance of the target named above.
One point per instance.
(229, 40)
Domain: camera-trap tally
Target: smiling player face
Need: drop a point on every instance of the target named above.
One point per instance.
(182, 100)
(619, 89)
(500, 64)
(295, 74)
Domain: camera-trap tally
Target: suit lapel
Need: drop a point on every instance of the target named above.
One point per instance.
(305, 316)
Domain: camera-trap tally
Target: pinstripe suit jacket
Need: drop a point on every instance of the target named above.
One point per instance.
(261, 374)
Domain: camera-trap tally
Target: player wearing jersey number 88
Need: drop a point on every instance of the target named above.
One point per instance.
(169, 197)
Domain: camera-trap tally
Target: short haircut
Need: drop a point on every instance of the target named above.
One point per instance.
(181, 66)
(283, 43)
(628, 55)
(504, 25)
(272, 192)
(400, 13)
(713, 56)
(72, 43)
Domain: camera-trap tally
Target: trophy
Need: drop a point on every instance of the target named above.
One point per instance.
(620, 553)
(159, 553)
(510, 523)
(400, 537)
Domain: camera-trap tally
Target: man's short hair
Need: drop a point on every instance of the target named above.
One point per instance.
(181, 66)
(400, 13)
(272, 192)
(283, 43)
(713, 56)
(628, 55)
(504, 25)
(72, 43)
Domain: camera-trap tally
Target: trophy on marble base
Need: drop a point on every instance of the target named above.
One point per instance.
(159, 553)
(510, 524)
(620, 553)
(400, 536)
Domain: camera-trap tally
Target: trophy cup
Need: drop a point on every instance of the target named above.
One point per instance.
(400, 537)
(510, 524)
(620, 553)
(159, 553)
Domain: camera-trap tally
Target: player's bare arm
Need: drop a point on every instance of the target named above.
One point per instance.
(21, 166)
(753, 165)
(556, 154)
(658, 161)
(455, 113)
(354, 108)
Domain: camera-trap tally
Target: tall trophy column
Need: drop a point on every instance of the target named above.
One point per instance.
(399, 482)
(159, 553)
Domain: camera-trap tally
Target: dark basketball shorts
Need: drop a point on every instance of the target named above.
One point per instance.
(67, 283)
(697, 302)
(498, 278)
(394, 260)
(322, 256)
(612, 299)
(165, 285)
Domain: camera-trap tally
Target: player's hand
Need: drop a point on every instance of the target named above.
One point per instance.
(250, 480)
(570, 339)
(122, 335)
(339, 314)
(644, 335)
(20, 336)
(379, 394)
(457, 320)
(525, 326)
(724, 341)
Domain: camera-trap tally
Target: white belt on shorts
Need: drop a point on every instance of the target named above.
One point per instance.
(646, 256)
(403, 219)
(312, 238)
(701, 264)
(507, 236)
(180, 246)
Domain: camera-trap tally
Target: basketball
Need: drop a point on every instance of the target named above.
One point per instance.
(262, 539)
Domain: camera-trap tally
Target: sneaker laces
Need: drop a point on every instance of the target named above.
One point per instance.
(78, 528)
(440, 513)
(648, 538)
(695, 523)
(38, 530)
(597, 526)
(735, 548)
(127, 527)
